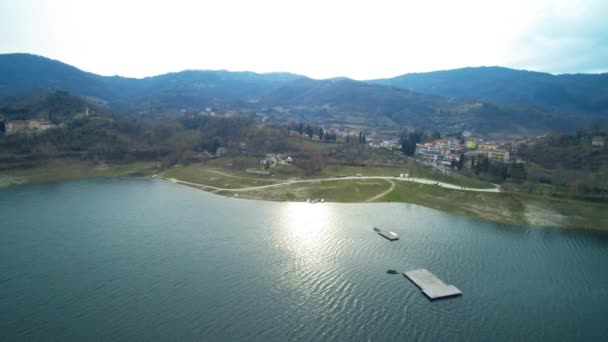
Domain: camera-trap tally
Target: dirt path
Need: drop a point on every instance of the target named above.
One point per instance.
(447, 185)
(384, 193)
(241, 177)
(414, 180)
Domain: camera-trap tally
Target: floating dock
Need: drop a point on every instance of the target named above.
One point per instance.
(431, 286)
(389, 235)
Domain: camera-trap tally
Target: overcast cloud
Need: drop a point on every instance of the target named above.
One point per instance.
(357, 39)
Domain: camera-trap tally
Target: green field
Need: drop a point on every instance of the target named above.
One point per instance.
(394, 171)
(332, 191)
(217, 177)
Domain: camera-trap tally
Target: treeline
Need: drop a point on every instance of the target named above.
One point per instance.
(570, 162)
(108, 138)
(56, 106)
(121, 139)
(495, 170)
(323, 135)
(117, 138)
(569, 151)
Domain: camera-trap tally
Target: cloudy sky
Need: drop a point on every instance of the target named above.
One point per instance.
(320, 39)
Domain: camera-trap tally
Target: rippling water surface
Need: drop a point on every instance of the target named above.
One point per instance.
(132, 259)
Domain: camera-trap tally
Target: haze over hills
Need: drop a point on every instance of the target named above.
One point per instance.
(347, 101)
(23, 73)
(384, 104)
(581, 93)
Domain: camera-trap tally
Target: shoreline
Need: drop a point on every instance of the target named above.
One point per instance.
(488, 204)
(528, 219)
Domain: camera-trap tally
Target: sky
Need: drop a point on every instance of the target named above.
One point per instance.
(319, 39)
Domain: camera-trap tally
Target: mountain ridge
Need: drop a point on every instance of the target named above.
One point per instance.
(335, 100)
(580, 93)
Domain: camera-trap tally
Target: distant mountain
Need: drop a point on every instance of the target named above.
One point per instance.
(382, 103)
(360, 103)
(198, 88)
(579, 93)
(25, 73)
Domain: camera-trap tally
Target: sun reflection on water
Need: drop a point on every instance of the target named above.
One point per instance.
(307, 224)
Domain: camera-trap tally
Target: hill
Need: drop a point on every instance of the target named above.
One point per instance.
(358, 103)
(287, 97)
(56, 106)
(196, 88)
(578, 93)
(24, 73)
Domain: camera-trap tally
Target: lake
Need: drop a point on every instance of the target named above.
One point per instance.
(140, 259)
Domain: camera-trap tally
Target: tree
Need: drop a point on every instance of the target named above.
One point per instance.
(347, 138)
(316, 164)
(461, 161)
(309, 131)
(321, 133)
(312, 166)
(216, 143)
(436, 135)
(405, 147)
(301, 128)
(518, 172)
(408, 143)
(485, 165)
(459, 137)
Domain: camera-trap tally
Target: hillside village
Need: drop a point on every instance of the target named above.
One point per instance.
(447, 151)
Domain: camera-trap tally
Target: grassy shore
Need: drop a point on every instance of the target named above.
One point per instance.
(508, 208)
(237, 173)
(65, 169)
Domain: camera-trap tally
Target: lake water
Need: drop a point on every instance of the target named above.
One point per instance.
(136, 259)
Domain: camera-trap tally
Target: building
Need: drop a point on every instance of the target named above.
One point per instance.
(16, 126)
(438, 149)
(447, 143)
(494, 154)
(431, 156)
(598, 141)
(471, 144)
(220, 152)
(390, 144)
(373, 144)
(487, 147)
